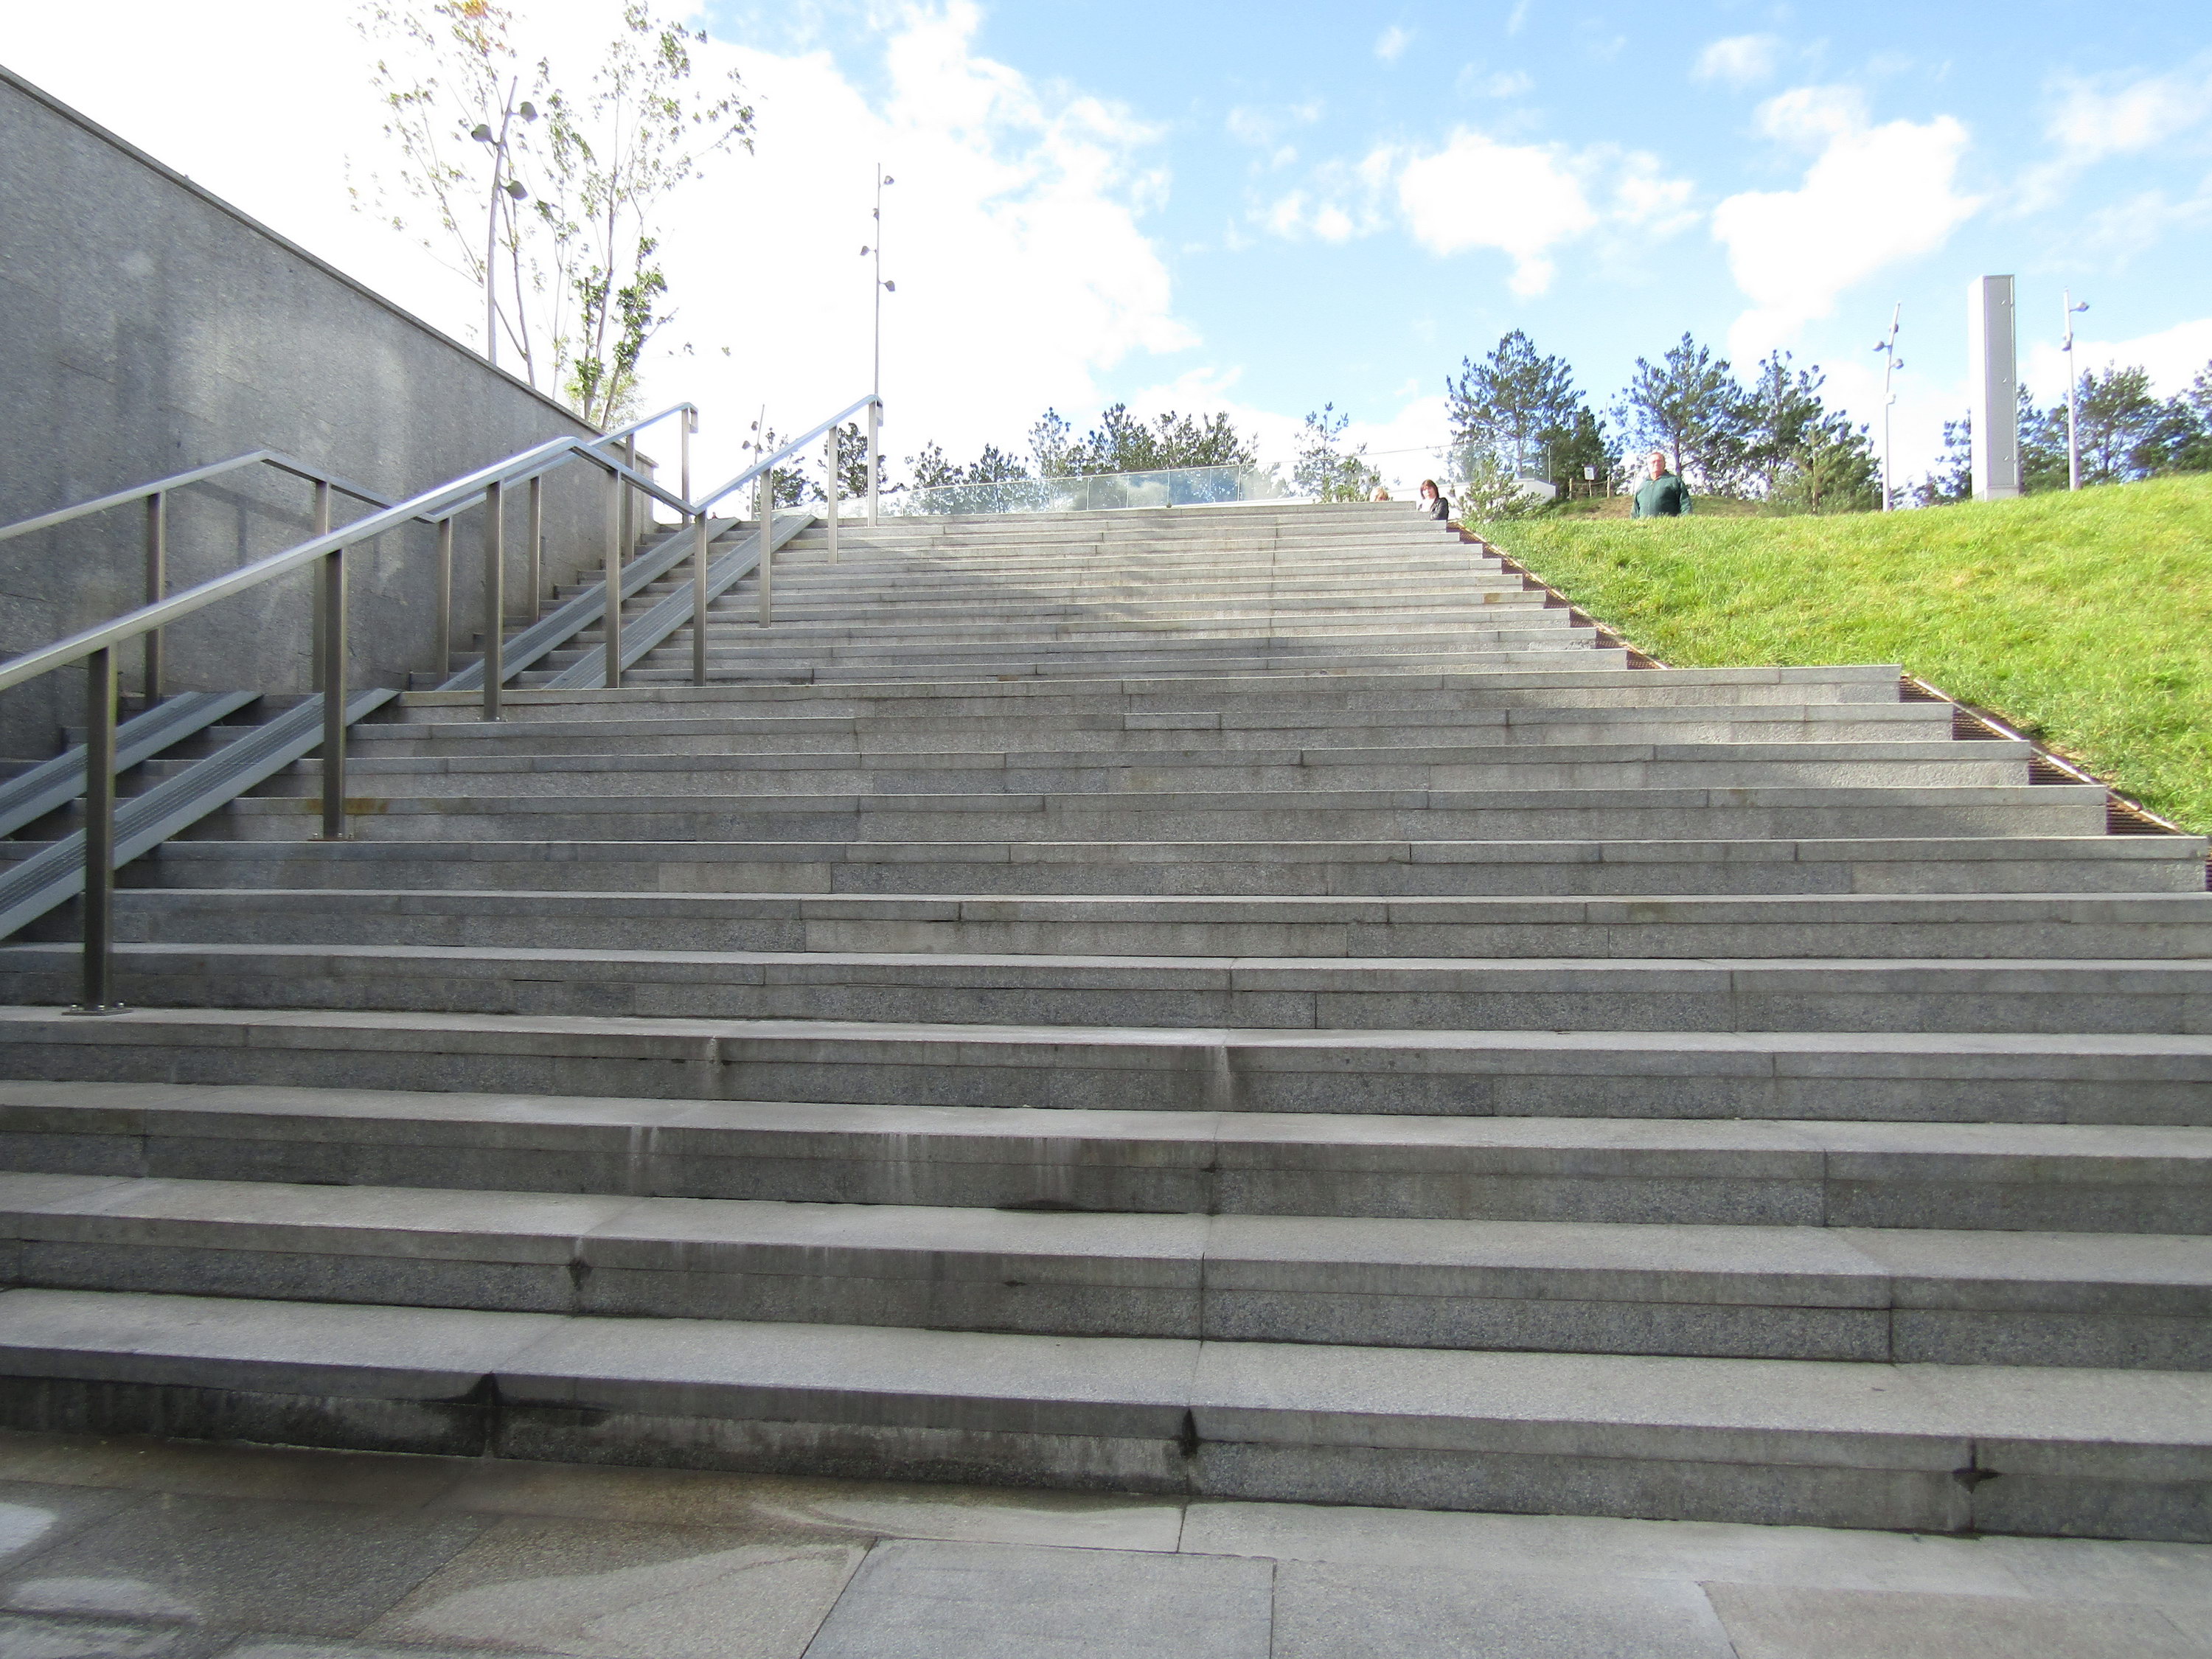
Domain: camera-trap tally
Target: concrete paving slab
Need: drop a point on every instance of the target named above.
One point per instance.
(614, 1590)
(1766, 1622)
(246, 1565)
(936, 1600)
(1324, 1612)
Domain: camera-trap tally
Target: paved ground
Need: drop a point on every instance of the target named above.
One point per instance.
(137, 1549)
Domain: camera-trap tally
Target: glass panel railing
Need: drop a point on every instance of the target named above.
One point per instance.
(1182, 486)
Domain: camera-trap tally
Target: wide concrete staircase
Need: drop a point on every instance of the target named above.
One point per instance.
(1235, 1001)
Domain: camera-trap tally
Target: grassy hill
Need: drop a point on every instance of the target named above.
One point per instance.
(2084, 619)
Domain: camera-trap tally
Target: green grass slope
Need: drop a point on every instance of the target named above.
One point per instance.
(2085, 620)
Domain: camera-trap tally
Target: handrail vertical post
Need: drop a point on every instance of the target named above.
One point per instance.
(829, 494)
(97, 994)
(494, 598)
(157, 585)
(318, 664)
(767, 563)
(445, 597)
(537, 547)
(618, 493)
(875, 421)
(332, 572)
(628, 502)
(685, 428)
(698, 598)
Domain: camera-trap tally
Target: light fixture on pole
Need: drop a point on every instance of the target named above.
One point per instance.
(2073, 442)
(876, 378)
(513, 190)
(1891, 363)
(882, 288)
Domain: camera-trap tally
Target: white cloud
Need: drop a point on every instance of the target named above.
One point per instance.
(2174, 356)
(1741, 60)
(1500, 84)
(2099, 118)
(1529, 200)
(1391, 44)
(1522, 199)
(2096, 119)
(1016, 233)
(1872, 198)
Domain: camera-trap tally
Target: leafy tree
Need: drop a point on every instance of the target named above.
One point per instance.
(1782, 414)
(1048, 444)
(1832, 468)
(1954, 479)
(2181, 439)
(611, 159)
(852, 463)
(2042, 446)
(1121, 442)
(930, 470)
(588, 292)
(1689, 405)
(1509, 400)
(1485, 489)
(2116, 417)
(1584, 444)
(442, 72)
(1322, 470)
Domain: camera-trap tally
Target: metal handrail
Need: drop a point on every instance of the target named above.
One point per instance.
(96, 646)
(156, 497)
(276, 457)
(431, 504)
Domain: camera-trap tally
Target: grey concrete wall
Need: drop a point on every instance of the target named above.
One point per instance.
(146, 327)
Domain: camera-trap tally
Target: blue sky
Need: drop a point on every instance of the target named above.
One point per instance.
(1265, 207)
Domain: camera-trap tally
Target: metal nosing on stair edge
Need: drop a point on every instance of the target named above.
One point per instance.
(143, 822)
(642, 636)
(565, 621)
(45, 788)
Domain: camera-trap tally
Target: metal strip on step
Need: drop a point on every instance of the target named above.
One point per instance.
(563, 623)
(640, 637)
(31, 889)
(54, 785)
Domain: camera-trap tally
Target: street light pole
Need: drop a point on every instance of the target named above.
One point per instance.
(482, 134)
(1891, 363)
(876, 378)
(2072, 441)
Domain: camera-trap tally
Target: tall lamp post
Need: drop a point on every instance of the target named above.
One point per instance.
(513, 190)
(2073, 441)
(1891, 363)
(876, 378)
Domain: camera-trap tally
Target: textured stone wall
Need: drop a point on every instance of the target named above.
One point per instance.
(146, 327)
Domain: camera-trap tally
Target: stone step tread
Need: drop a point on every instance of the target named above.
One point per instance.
(1841, 751)
(1756, 1053)
(1977, 849)
(1879, 682)
(1744, 1266)
(2093, 1424)
(1658, 797)
(1491, 723)
(1789, 910)
(2135, 1155)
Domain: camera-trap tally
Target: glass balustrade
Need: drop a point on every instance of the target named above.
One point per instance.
(1182, 486)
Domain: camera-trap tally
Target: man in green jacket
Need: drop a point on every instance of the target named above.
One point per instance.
(1662, 495)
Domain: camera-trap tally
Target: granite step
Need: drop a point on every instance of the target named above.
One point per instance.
(2076, 865)
(1873, 1295)
(1932, 1449)
(1751, 812)
(1809, 994)
(2144, 927)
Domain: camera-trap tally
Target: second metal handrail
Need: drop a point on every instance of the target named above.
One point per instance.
(98, 647)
